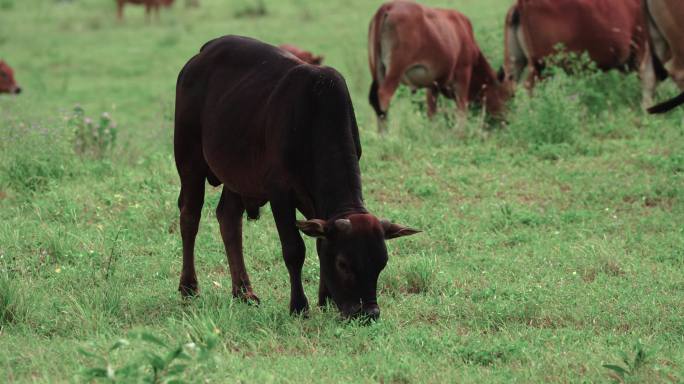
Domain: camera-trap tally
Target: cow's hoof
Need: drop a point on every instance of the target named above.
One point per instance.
(247, 297)
(299, 307)
(188, 290)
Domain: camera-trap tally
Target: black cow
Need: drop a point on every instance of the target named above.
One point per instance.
(271, 128)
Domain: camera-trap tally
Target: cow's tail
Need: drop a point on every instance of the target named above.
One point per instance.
(377, 67)
(651, 25)
(668, 105)
(515, 58)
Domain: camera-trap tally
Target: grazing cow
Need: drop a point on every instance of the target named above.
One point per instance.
(273, 129)
(303, 55)
(7, 82)
(664, 19)
(428, 48)
(612, 32)
(150, 6)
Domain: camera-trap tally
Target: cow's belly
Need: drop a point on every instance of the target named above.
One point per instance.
(238, 170)
(419, 76)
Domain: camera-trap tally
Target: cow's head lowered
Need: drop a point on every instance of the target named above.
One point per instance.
(7, 83)
(352, 254)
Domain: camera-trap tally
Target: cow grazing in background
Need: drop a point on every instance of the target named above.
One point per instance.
(271, 128)
(303, 55)
(665, 20)
(7, 82)
(150, 6)
(429, 48)
(612, 32)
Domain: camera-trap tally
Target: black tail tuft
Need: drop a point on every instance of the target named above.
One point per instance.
(668, 105)
(375, 100)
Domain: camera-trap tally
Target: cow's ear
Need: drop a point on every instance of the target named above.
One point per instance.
(393, 231)
(313, 228)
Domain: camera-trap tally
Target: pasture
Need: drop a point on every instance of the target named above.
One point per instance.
(553, 245)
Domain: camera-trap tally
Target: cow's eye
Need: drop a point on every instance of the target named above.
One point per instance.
(343, 266)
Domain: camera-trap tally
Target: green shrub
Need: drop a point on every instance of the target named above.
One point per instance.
(91, 138)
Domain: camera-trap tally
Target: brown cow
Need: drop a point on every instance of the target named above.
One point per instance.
(303, 55)
(150, 6)
(664, 19)
(7, 82)
(271, 128)
(612, 32)
(428, 48)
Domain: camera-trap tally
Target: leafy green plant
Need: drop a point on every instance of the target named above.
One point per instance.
(548, 122)
(632, 365)
(162, 364)
(90, 138)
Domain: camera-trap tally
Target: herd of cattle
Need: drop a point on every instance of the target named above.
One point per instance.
(273, 126)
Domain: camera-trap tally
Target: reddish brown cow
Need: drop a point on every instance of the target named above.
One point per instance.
(303, 55)
(7, 82)
(428, 48)
(271, 128)
(150, 6)
(666, 30)
(612, 32)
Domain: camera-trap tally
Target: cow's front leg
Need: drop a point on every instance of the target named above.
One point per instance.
(229, 214)
(460, 89)
(431, 95)
(284, 213)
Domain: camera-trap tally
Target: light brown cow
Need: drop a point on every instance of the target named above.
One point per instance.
(612, 32)
(428, 48)
(303, 55)
(665, 19)
(7, 82)
(150, 6)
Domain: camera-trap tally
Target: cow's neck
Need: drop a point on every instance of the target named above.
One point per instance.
(336, 188)
(484, 84)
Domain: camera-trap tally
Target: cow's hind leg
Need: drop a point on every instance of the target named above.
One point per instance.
(284, 213)
(649, 80)
(229, 214)
(190, 203)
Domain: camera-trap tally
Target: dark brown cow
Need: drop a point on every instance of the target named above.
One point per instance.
(665, 20)
(273, 129)
(303, 55)
(612, 32)
(428, 48)
(150, 6)
(7, 82)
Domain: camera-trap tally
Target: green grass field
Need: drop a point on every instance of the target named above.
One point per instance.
(552, 245)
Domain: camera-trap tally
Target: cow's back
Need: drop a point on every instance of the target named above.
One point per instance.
(407, 33)
(222, 102)
(604, 28)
